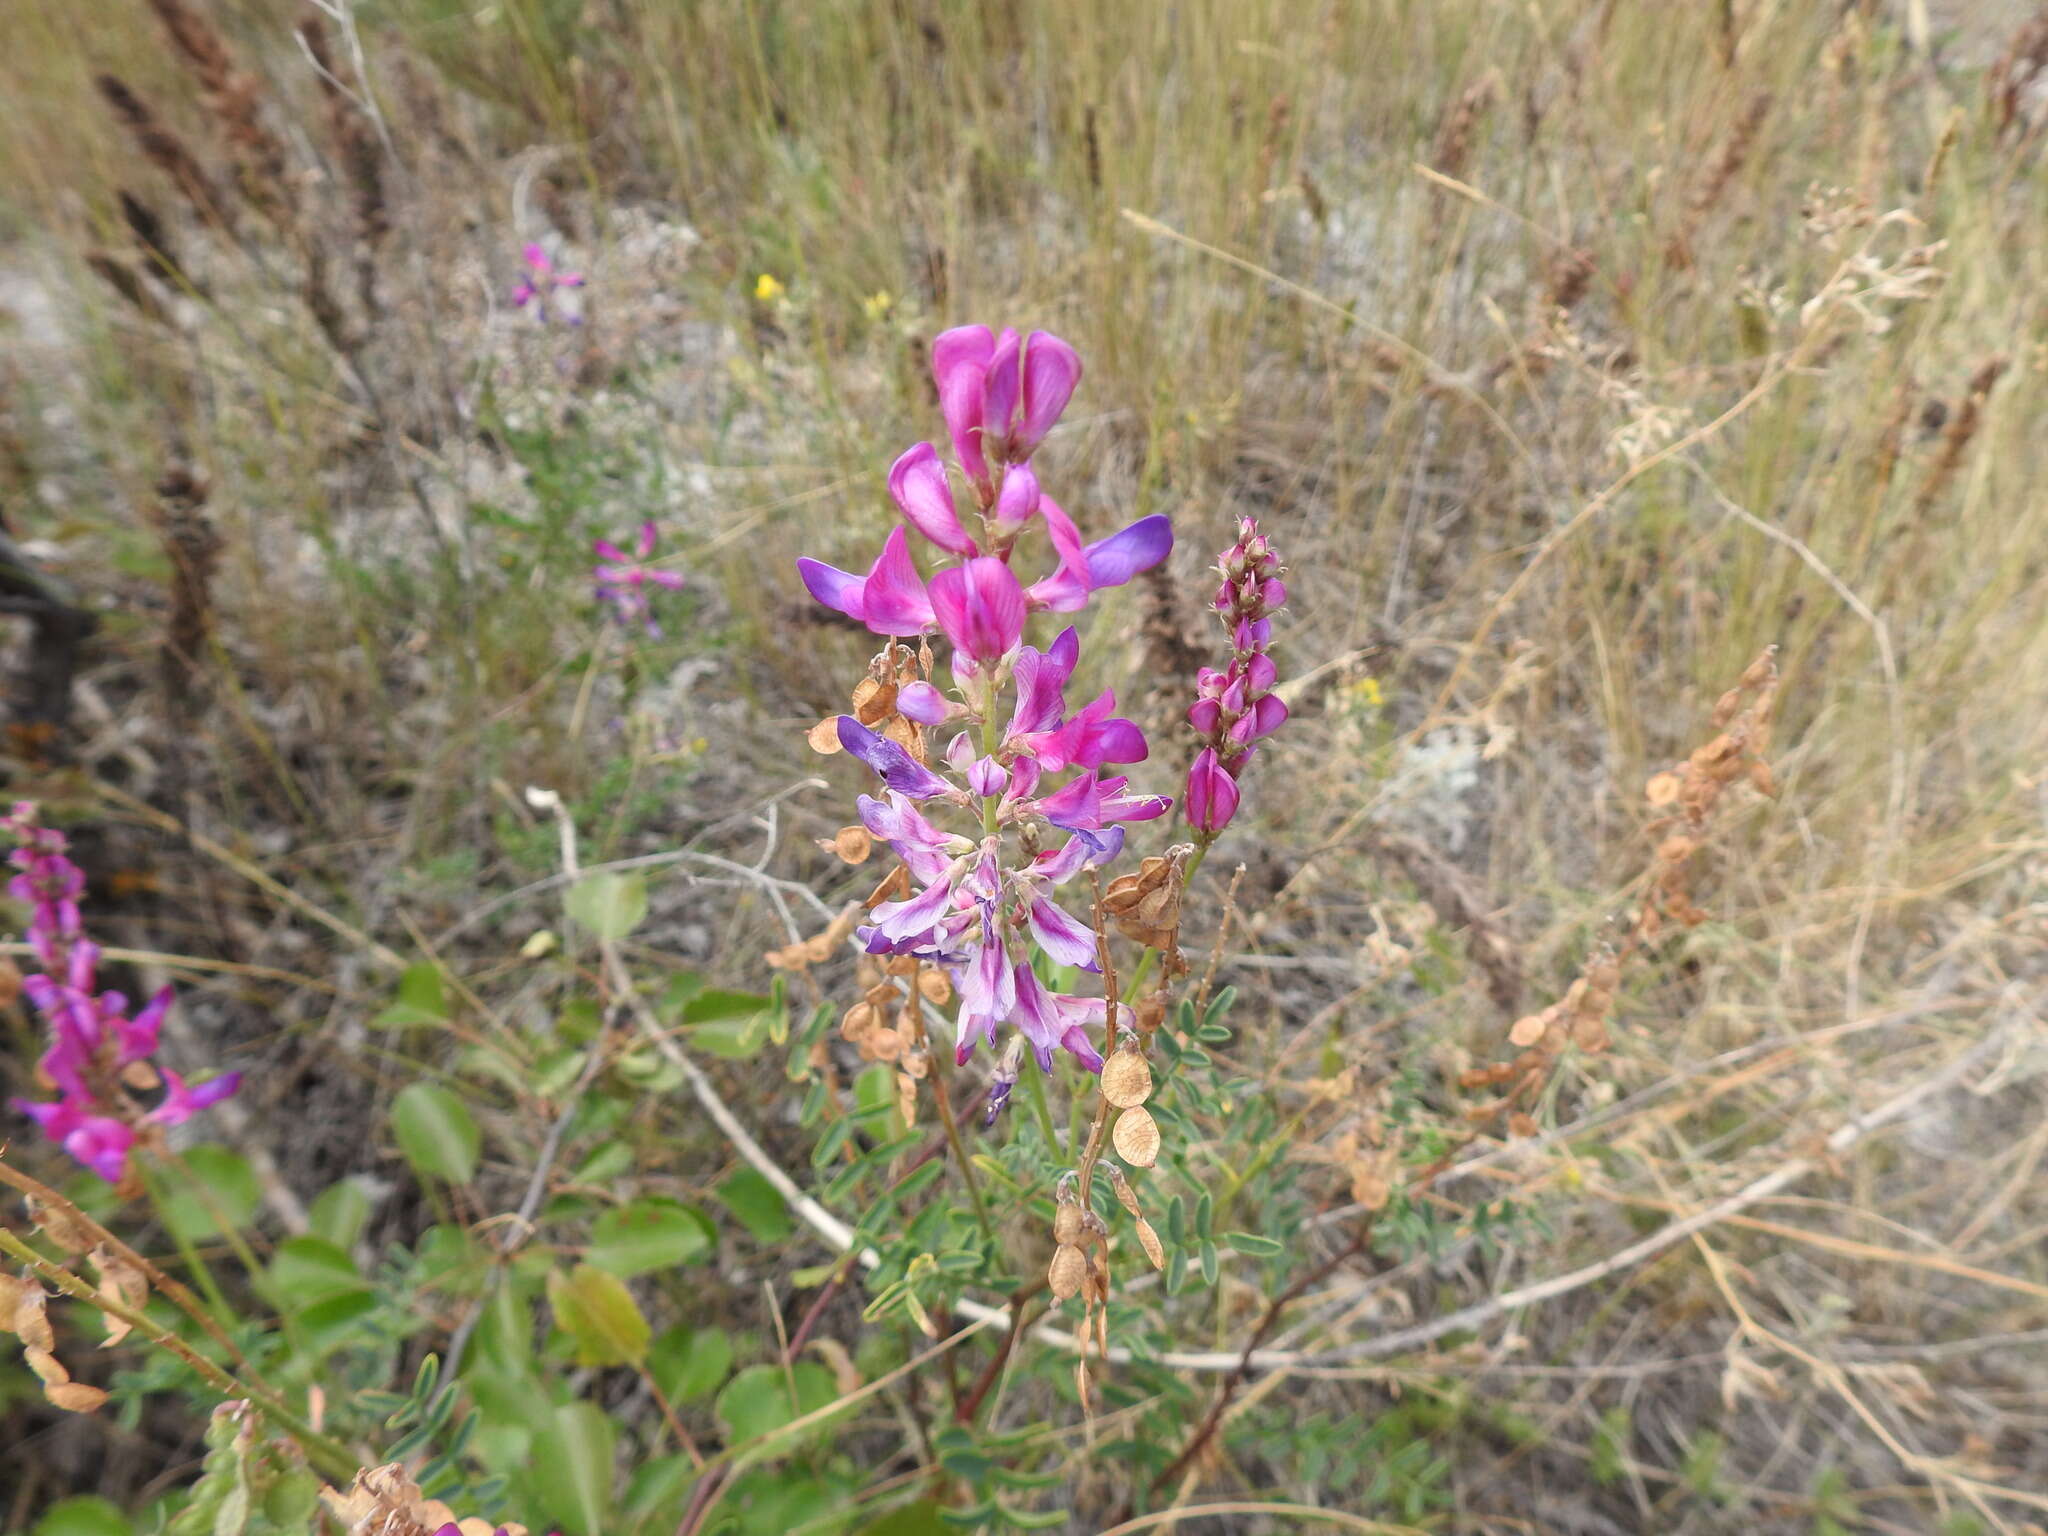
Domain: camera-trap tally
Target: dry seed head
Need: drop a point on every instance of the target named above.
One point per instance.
(824, 736)
(934, 987)
(1136, 1138)
(1126, 1079)
(1069, 1268)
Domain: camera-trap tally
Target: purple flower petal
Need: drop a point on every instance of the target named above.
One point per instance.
(1066, 589)
(1067, 940)
(895, 601)
(898, 769)
(917, 482)
(921, 702)
(1212, 794)
(959, 365)
(980, 607)
(1000, 390)
(1052, 369)
(841, 590)
(1116, 559)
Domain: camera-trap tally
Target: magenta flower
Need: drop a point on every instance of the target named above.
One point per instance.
(97, 1052)
(980, 607)
(539, 286)
(1212, 794)
(917, 482)
(890, 599)
(1001, 396)
(622, 579)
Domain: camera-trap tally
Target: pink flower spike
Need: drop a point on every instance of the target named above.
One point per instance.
(536, 258)
(917, 482)
(647, 536)
(1052, 371)
(980, 606)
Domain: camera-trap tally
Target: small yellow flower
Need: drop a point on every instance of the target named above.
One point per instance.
(768, 288)
(1367, 692)
(877, 304)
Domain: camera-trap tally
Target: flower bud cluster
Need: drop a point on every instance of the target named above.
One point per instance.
(1236, 706)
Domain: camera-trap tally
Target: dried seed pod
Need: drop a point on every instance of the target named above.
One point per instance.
(1126, 1079)
(1528, 1030)
(824, 736)
(76, 1397)
(1066, 1224)
(48, 1367)
(1149, 1241)
(851, 844)
(1136, 1138)
(1069, 1268)
(31, 1317)
(1095, 1289)
(873, 700)
(1125, 1195)
(120, 1281)
(1662, 789)
(918, 1064)
(857, 1021)
(61, 1227)
(884, 1044)
(934, 986)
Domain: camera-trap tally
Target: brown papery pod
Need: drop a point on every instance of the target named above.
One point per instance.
(1136, 1138)
(824, 736)
(852, 844)
(906, 1098)
(873, 700)
(1125, 1195)
(61, 1227)
(1149, 1241)
(75, 1396)
(1069, 1268)
(1066, 1224)
(1126, 1080)
(31, 1318)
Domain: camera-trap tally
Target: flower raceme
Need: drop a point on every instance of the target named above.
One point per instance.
(99, 1054)
(1236, 707)
(981, 902)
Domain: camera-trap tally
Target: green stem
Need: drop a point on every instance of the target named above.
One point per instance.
(195, 1262)
(329, 1455)
(1043, 1109)
(945, 1103)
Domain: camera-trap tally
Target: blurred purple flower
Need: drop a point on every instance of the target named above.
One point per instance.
(622, 579)
(538, 287)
